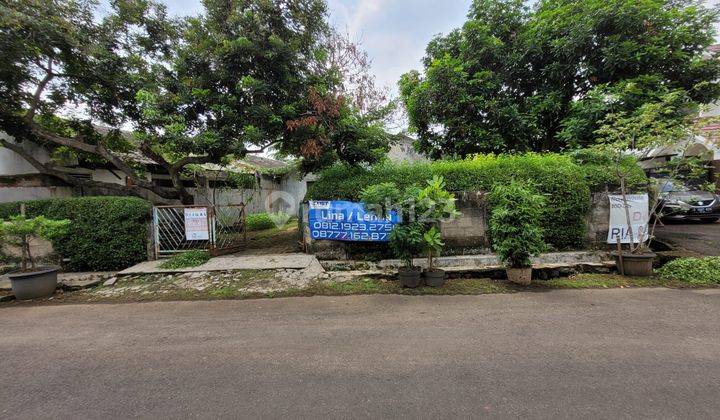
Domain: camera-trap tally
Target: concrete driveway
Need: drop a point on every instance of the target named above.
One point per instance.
(694, 236)
(652, 353)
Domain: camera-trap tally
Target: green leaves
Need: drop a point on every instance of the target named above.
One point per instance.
(407, 241)
(515, 224)
(514, 79)
(17, 227)
(701, 271)
(19, 231)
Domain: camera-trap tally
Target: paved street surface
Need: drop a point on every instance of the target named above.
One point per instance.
(693, 236)
(652, 353)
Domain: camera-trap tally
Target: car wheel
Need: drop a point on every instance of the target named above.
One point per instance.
(710, 220)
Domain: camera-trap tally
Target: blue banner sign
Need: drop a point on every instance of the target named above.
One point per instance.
(348, 221)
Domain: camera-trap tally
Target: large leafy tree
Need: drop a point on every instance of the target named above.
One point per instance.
(56, 57)
(242, 77)
(543, 78)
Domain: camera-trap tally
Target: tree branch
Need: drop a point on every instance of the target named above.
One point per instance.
(263, 148)
(188, 160)
(38, 92)
(63, 141)
(168, 193)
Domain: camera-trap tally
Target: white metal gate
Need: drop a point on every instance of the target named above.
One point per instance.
(223, 230)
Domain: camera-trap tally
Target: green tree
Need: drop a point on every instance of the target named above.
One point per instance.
(514, 78)
(242, 77)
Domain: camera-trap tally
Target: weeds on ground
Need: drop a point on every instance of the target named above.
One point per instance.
(600, 281)
(186, 259)
(696, 271)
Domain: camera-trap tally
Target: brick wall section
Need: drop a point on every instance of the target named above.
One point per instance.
(598, 221)
(470, 229)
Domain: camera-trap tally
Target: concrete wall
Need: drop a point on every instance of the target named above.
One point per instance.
(598, 221)
(469, 230)
(10, 194)
(270, 196)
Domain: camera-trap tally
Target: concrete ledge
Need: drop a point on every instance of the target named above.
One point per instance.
(231, 263)
(491, 260)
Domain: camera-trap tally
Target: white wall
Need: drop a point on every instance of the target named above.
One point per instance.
(9, 194)
(270, 197)
(13, 164)
(104, 175)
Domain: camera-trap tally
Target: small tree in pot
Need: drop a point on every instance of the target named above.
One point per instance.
(515, 229)
(666, 124)
(406, 239)
(435, 204)
(30, 281)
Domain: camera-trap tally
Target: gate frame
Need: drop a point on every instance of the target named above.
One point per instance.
(212, 247)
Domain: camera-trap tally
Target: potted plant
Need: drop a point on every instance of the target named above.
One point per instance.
(667, 124)
(32, 282)
(515, 229)
(435, 204)
(406, 239)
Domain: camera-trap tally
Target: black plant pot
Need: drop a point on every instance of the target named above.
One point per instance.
(34, 284)
(410, 276)
(435, 277)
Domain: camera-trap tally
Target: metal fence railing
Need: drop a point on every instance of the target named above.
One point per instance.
(218, 229)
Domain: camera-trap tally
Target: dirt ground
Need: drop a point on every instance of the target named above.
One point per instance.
(273, 241)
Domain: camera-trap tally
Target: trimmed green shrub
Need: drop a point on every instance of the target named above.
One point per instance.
(105, 233)
(600, 171)
(556, 176)
(515, 230)
(701, 271)
(260, 221)
(186, 259)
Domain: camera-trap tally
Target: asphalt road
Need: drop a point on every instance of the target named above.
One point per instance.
(696, 237)
(651, 353)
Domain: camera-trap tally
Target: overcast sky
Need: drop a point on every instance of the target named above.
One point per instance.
(393, 32)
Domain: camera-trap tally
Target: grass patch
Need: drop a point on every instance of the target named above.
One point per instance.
(370, 286)
(252, 284)
(600, 281)
(695, 271)
(186, 259)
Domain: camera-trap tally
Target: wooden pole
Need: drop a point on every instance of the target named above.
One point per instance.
(620, 256)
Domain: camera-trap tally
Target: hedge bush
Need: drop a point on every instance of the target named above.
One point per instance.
(260, 221)
(556, 176)
(105, 234)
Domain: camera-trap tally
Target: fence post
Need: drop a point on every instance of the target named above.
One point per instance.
(155, 232)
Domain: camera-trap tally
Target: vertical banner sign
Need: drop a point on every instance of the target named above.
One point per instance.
(196, 224)
(348, 221)
(638, 207)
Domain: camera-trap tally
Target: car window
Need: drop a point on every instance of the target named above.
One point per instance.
(669, 186)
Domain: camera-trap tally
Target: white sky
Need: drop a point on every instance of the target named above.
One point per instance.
(393, 32)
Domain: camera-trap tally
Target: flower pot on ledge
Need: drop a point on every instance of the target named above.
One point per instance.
(435, 277)
(521, 275)
(410, 276)
(638, 265)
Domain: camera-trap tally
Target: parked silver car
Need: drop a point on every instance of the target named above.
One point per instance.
(679, 202)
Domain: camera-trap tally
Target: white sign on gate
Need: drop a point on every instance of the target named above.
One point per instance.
(196, 224)
(639, 216)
